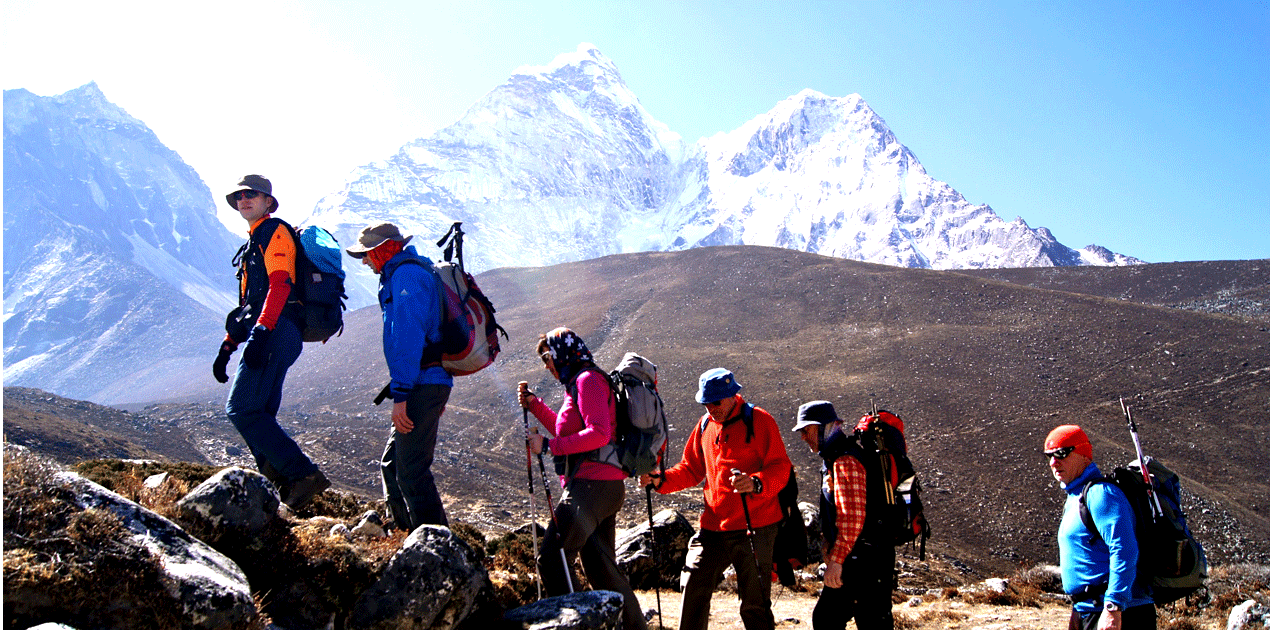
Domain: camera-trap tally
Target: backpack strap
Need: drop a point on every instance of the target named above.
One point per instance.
(747, 416)
(1086, 516)
(605, 454)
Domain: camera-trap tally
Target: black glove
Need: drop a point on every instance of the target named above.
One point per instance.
(222, 360)
(257, 351)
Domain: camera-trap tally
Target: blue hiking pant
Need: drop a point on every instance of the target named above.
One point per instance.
(406, 467)
(253, 404)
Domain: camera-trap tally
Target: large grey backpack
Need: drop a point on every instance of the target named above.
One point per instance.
(639, 439)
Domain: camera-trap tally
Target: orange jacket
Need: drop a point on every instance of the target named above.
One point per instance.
(712, 456)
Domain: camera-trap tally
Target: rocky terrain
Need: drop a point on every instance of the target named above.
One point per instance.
(980, 368)
(139, 545)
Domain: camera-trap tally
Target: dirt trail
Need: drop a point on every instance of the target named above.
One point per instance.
(793, 612)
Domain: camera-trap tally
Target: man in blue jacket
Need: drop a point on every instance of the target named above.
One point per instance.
(1100, 568)
(410, 299)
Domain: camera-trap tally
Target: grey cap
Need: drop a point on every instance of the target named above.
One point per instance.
(815, 412)
(374, 236)
(257, 183)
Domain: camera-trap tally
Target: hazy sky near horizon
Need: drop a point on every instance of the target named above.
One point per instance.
(1142, 127)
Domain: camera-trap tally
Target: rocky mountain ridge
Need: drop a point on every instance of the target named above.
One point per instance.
(116, 272)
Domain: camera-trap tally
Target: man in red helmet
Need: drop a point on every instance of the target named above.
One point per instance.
(1099, 568)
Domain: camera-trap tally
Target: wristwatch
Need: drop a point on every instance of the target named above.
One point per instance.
(1110, 606)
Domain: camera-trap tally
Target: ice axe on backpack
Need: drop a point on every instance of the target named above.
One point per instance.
(1156, 511)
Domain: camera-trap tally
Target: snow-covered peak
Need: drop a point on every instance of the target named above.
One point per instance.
(562, 162)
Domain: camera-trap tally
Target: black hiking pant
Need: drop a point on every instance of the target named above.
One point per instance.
(868, 577)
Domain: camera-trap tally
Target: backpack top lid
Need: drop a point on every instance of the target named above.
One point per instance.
(322, 250)
(883, 416)
(634, 365)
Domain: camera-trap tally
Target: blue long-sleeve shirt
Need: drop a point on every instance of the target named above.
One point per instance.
(410, 301)
(1111, 558)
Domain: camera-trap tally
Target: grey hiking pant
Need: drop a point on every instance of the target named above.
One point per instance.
(587, 517)
(709, 553)
(406, 466)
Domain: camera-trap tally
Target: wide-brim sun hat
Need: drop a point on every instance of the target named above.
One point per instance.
(257, 183)
(374, 236)
(717, 384)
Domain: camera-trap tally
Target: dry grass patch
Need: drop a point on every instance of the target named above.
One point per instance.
(71, 565)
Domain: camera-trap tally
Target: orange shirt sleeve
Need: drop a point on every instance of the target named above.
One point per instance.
(280, 264)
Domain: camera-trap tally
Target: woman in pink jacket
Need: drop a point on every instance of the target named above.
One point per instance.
(586, 517)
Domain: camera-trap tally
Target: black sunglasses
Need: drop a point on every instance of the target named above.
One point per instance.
(1059, 453)
(246, 194)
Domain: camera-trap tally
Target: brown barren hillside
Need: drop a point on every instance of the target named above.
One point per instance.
(980, 370)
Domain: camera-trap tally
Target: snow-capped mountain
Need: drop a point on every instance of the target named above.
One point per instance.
(562, 163)
(559, 163)
(114, 259)
(826, 175)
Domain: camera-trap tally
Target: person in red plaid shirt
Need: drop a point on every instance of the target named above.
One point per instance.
(859, 561)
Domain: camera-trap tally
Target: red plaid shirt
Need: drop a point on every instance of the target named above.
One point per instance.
(847, 479)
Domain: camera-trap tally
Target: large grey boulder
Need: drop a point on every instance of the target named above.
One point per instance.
(588, 610)
(647, 566)
(433, 582)
(233, 502)
(1248, 615)
(207, 590)
(815, 542)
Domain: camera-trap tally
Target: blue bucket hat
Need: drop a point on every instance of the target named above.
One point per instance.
(716, 385)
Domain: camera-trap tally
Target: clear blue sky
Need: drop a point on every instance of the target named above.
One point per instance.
(1143, 127)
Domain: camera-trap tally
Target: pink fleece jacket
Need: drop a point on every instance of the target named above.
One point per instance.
(580, 430)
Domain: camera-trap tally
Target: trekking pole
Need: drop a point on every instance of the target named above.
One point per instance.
(749, 532)
(546, 487)
(1156, 511)
(533, 510)
(652, 533)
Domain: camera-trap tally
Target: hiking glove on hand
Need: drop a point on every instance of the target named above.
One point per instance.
(257, 350)
(222, 360)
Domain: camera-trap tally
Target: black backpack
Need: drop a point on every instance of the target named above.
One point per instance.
(1170, 560)
(881, 434)
(317, 293)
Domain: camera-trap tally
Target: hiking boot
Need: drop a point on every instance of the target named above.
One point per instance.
(279, 482)
(303, 491)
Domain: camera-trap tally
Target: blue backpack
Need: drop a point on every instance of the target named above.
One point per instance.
(317, 294)
(321, 284)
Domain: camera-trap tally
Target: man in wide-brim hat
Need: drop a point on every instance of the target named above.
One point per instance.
(410, 300)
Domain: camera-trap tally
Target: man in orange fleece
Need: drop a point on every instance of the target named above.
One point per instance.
(737, 449)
